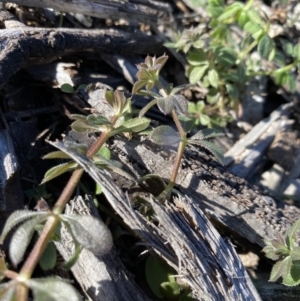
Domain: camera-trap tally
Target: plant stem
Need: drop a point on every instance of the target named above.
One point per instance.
(248, 5)
(180, 150)
(49, 228)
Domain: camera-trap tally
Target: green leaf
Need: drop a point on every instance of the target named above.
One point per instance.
(287, 46)
(157, 272)
(17, 217)
(166, 104)
(164, 135)
(197, 58)
(254, 17)
(265, 46)
(67, 88)
(243, 18)
(214, 149)
(204, 119)
(213, 78)
(294, 277)
(110, 98)
(197, 73)
(186, 123)
(96, 120)
(213, 96)
(72, 260)
(53, 289)
(232, 91)
(89, 232)
(207, 134)
(59, 170)
(252, 28)
(293, 231)
(291, 83)
(133, 125)
(49, 257)
(82, 127)
(279, 268)
(104, 152)
(231, 11)
(78, 117)
(22, 237)
(7, 291)
(226, 56)
(57, 155)
(170, 290)
(295, 253)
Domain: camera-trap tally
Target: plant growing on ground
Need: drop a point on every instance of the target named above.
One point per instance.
(220, 59)
(86, 231)
(286, 251)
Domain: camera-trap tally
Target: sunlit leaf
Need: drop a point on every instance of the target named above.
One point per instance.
(59, 170)
(293, 278)
(197, 73)
(213, 96)
(104, 151)
(295, 253)
(213, 78)
(230, 12)
(214, 149)
(170, 290)
(22, 237)
(157, 272)
(277, 270)
(57, 155)
(17, 217)
(165, 135)
(293, 231)
(90, 232)
(49, 257)
(133, 125)
(53, 289)
(204, 119)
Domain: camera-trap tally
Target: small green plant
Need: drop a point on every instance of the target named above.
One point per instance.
(220, 58)
(170, 102)
(87, 231)
(286, 251)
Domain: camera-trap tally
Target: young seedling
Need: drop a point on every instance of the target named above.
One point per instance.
(169, 102)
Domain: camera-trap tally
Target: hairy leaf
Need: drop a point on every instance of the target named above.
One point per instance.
(22, 237)
(53, 289)
(165, 135)
(90, 232)
(166, 104)
(207, 134)
(294, 276)
(197, 58)
(19, 216)
(277, 269)
(59, 170)
(295, 253)
(133, 125)
(78, 117)
(83, 127)
(265, 46)
(181, 104)
(214, 149)
(57, 155)
(139, 85)
(186, 123)
(293, 231)
(96, 120)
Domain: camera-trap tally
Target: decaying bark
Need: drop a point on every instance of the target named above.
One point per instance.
(101, 278)
(146, 11)
(24, 46)
(185, 238)
(11, 196)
